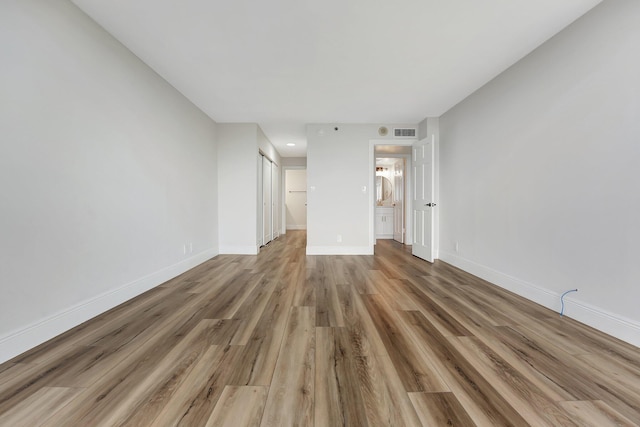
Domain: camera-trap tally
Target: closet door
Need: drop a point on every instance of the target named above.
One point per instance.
(275, 201)
(259, 205)
(267, 203)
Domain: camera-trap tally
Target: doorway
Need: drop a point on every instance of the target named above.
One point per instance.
(295, 198)
(399, 200)
(390, 197)
(393, 215)
(426, 196)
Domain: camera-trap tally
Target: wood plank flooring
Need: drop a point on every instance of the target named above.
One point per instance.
(284, 339)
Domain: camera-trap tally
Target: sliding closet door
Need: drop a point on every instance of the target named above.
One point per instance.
(275, 201)
(259, 206)
(267, 203)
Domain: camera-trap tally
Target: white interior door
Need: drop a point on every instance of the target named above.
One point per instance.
(398, 201)
(423, 203)
(267, 207)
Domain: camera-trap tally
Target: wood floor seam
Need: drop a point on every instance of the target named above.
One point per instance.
(285, 339)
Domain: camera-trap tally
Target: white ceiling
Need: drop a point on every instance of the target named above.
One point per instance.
(285, 63)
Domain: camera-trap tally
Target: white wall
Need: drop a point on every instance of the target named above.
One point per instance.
(296, 199)
(237, 187)
(239, 145)
(265, 146)
(339, 164)
(539, 173)
(106, 173)
(294, 161)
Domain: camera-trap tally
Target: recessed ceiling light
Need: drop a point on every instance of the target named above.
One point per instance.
(291, 144)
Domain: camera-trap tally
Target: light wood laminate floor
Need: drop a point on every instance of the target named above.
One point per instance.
(285, 339)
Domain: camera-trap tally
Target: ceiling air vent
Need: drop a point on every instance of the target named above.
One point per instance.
(404, 132)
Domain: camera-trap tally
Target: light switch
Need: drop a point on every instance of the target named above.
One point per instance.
(364, 188)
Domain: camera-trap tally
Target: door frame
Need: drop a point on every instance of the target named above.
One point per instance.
(372, 186)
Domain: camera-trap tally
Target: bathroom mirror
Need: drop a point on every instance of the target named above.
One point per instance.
(384, 191)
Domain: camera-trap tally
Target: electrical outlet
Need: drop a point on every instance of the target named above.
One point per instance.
(339, 238)
(191, 247)
(184, 249)
(456, 247)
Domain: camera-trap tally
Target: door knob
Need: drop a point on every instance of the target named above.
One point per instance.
(430, 204)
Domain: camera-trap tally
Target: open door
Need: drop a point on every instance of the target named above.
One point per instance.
(423, 203)
(398, 201)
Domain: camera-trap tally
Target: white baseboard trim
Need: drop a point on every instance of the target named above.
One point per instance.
(527, 290)
(605, 321)
(17, 342)
(239, 250)
(339, 250)
(296, 227)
